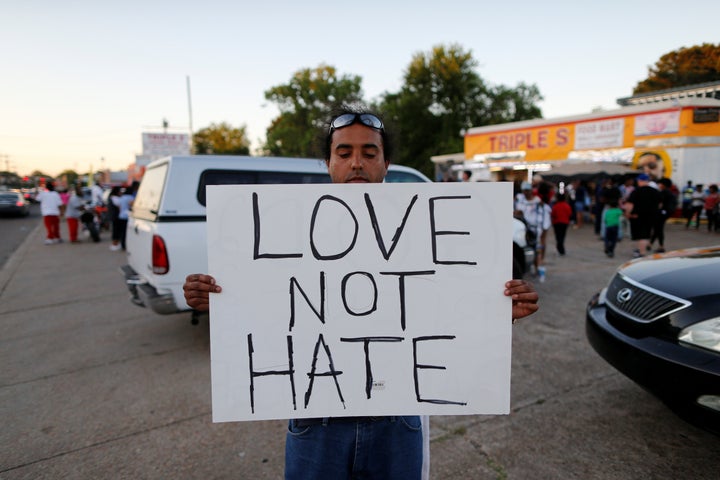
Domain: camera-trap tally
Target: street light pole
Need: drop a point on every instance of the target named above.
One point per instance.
(187, 78)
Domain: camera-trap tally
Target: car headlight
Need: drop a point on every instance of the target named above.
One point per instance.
(602, 297)
(704, 334)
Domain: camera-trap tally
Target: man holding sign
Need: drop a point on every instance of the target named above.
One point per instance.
(357, 150)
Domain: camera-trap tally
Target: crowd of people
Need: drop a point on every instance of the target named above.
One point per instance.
(632, 206)
(94, 213)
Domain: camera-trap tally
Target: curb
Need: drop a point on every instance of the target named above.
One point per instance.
(13, 263)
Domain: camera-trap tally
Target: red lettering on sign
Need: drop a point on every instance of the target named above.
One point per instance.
(528, 140)
(561, 137)
(542, 139)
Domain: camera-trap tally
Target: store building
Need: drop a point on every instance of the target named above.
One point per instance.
(682, 134)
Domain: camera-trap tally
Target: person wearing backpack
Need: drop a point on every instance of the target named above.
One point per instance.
(536, 214)
(668, 204)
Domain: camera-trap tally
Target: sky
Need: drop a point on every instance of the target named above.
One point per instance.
(80, 81)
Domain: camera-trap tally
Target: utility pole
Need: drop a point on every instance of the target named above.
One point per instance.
(187, 78)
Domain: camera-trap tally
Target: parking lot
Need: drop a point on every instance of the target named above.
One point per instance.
(95, 387)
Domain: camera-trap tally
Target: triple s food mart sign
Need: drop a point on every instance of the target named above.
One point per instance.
(349, 300)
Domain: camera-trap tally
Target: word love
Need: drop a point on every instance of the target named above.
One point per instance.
(343, 250)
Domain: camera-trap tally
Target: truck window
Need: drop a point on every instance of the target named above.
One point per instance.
(249, 177)
(147, 200)
(394, 176)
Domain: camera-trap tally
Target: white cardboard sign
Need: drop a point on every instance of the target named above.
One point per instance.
(353, 300)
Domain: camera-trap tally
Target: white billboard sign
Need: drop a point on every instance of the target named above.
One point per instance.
(163, 144)
(657, 123)
(600, 134)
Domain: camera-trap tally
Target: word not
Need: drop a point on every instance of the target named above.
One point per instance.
(320, 312)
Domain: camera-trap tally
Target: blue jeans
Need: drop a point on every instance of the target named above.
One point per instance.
(611, 236)
(378, 448)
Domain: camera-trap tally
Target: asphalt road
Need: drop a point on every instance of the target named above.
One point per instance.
(94, 387)
(14, 231)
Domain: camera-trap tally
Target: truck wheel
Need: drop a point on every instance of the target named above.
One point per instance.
(518, 262)
(518, 271)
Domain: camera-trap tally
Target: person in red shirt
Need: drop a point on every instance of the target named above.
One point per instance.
(560, 217)
(712, 200)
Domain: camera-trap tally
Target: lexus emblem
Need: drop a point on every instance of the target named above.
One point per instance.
(624, 295)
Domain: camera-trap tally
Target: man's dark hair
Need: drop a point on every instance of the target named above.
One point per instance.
(387, 144)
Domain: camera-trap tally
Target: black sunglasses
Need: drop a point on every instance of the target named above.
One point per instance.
(347, 119)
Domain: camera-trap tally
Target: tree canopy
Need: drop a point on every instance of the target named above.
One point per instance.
(304, 104)
(39, 174)
(71, 176)
(442, 96)
(221, 139)
(685, 66)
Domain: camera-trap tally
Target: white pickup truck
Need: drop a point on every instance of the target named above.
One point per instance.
(166, 235)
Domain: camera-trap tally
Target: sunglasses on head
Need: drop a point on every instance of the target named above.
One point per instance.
(347, 119)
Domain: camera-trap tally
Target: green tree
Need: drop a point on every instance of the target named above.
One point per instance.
(10, 179)
(221, 139)
(37, 177)
(442, 96)
(71, 176)
(304, 104)
(513, 104)
(685, 66)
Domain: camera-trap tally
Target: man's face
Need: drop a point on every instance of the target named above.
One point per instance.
(651, 165)
(356, 155)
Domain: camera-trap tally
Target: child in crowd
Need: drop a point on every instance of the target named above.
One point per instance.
(612, 217)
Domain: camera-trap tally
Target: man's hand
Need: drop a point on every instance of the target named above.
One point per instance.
(197, 289)
(524, 298)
